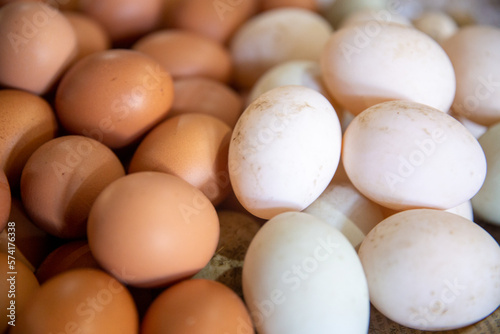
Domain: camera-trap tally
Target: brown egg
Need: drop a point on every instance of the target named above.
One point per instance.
(273, 4)
(114, 96)
(236, 232)
(17, 289)
(151, 229)
(80, 301)
(90, 35)
(26, 122)
(61, 180)
(5, 200)
(38, 45)
(197, 306)
(72, 255)
(206, 96)
(187, 54)
(124, 20)
(217, 19)
(193, 147)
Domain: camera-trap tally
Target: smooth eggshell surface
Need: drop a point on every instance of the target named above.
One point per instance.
(61, 181)
(37, 44)
(301, 275)
(289, 133)
(191, 146)
(26, 122)
(362, 67)
(405, 155)
(151, 229)
(276, 36)
(431, 270)
(475, 54)
(86, 301)
(197, 306)
(114, 96)
(486, 201)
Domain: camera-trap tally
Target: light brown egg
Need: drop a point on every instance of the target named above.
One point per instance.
(71, 255)
(61, 180)
(197, 306)
(80, 301)
(5, 200)
(151, 229)
(39, 43)
(114, 96)
(90, 35)
(193, 147)
(273, 4)
(206, 96)
(17, 288)
(217, 19)
(186, 54)
(124, 20)
(26, 122)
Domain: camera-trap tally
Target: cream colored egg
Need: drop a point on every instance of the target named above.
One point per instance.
(274, 37)
(486, 202)
(284, 151)
(345, 208)
(301, 275)
(369, 64)
(438, 25)
(431, 270)
(405, 155)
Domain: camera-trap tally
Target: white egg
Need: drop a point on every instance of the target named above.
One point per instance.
(431, 270)
(369, 64)
(284, 151)
(486, 202)
(406, 155)
(301, 275)
(342, 206)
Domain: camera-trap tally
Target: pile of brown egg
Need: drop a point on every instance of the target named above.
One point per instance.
(244, 166)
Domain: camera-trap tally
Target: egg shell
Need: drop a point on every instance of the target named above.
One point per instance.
(485, 203)
(124, 20)
(187, 54)
(288, 133)
(197, 306)
(19, 288)
(405, 155)
(114, 96)
(206, 96)
(475, 53)
(61, 180)
(464, 210)
(82, 300)
(5, 200)
(191, 146)
(71, 255)
(26, 122)
(37, 44)
(345, 208)
(373, 17)
(337, 10)
(90, 35)
(436, 24)
(236, 232)
(311, 5)
(217, 19)
(301, 275)
(431, 270)
(369, 64)
(276, 36)
(151, 229)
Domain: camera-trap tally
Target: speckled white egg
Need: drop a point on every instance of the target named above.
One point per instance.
(406, 155)
(365, 65)
(486, 202)
(431, 270)
(284, 151)
(301, 275)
